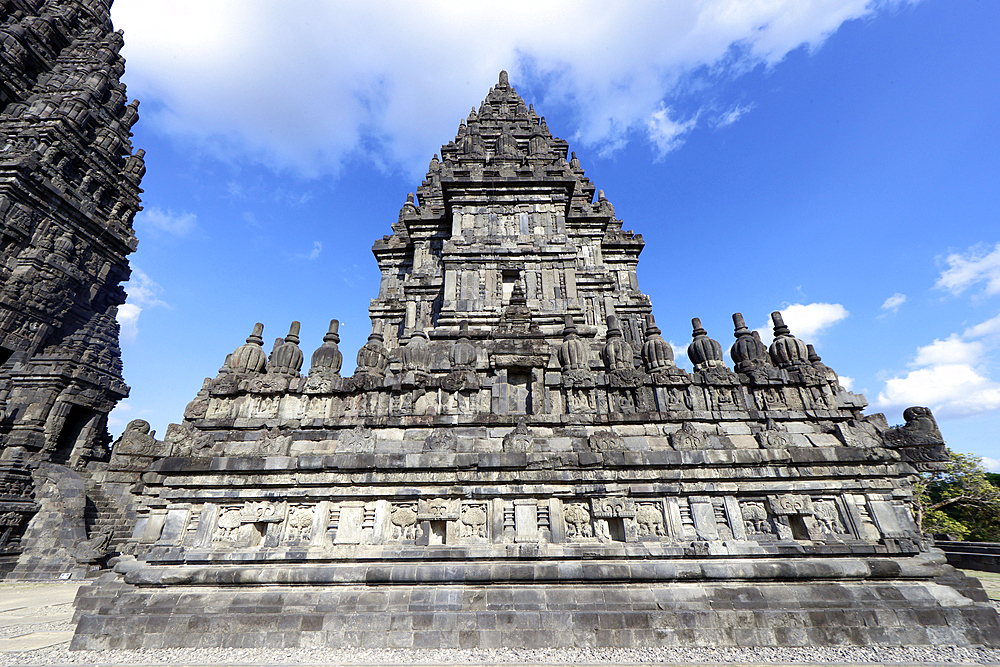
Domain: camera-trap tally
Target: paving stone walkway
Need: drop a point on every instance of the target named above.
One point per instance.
(35, 615)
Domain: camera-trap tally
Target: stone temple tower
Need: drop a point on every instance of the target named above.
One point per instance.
(69, 188)
(517, 460)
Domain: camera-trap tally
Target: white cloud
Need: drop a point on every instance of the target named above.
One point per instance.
(666, 133)
(950, 390)
(395, 79)
(128, 321)
(976, 265)
(141, 292)
(168, 222)
(990, 327)
(806, 320)
(680, 354)
(893, 303)
(733, 115)
(991, 464)
(950, 376)
(846, 382)
(951, 350)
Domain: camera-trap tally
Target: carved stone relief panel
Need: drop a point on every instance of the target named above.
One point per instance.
(828, 517)
(649, 520)
(771, 398)
(299, 526)
(688, 437)
(358, 439)
(757, 520)
(673, 399)
(606, 441)
(580, 400)
(623, 401)
(403, 522)
(722, 398)
(578, 522)
(473, 519)
(774, 439)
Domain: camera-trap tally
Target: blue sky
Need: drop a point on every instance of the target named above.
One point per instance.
(833, 159)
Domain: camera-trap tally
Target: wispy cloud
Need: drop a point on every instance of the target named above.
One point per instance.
(141, 292)
(229, 77)
(167, 222)
(317, 248)
(666, 133)
(892, 304)
(733, 115)
(976, 265)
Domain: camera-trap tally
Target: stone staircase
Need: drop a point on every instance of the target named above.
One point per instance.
(107, 509)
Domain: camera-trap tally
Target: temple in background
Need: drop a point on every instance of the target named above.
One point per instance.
(69, 188)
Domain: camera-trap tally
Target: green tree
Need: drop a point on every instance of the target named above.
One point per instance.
(961, 500)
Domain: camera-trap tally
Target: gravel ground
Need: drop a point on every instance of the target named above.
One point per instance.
(51, 626)
(578, 657)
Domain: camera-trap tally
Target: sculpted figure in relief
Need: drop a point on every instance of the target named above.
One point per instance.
(300, 524)
(649, 519)
(404, 522)
(577, 521)
(756, 519)
(828, 517)
(473, 524)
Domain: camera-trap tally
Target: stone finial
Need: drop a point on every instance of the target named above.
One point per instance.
(657, 355)
(814, 358)
(416, 355)
(703, 351)
(249, 358)
(574, 354)
(409, 209)
(64, 246)
(286, 359)
(617, 353)
(748, 352)
(463, 352)
(786, 351)
(373, 357)
(574, 162)
(825, 371)
(327, 358)
(503, 83)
